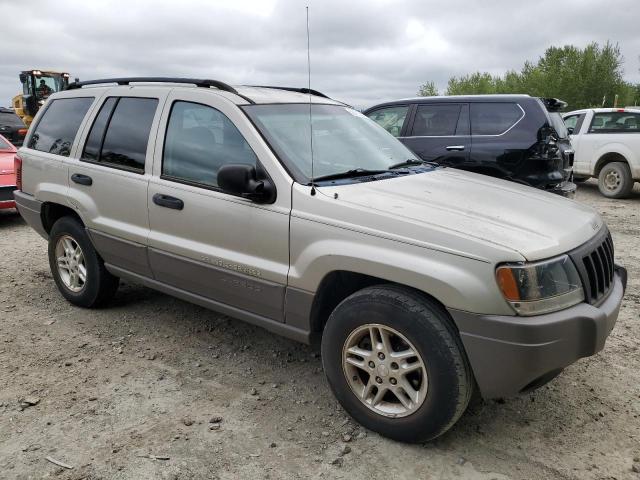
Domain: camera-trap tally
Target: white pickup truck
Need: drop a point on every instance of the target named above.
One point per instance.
(607, 146)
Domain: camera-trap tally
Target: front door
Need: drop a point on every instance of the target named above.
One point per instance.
(439, 132)
(202, 240)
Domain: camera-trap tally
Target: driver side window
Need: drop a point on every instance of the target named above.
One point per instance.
(200, 140)
(391, 118)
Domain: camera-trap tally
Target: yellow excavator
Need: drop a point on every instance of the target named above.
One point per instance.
(37, 85)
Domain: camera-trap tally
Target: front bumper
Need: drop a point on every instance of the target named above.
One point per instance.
(511, 354)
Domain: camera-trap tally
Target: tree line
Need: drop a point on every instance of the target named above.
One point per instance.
(582, 77)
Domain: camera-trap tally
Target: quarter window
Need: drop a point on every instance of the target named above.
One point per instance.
(59, 125)
(436, 120)
(493, 118)
(615, 122)
(200, 140)
(391, 118)
(120, 133)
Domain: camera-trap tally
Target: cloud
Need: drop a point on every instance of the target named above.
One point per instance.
(362, 51)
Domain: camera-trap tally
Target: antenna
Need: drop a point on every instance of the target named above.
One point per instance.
(313, 187)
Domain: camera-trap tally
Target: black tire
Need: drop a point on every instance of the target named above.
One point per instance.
(100, 286)
(429, 328)
(619, 171)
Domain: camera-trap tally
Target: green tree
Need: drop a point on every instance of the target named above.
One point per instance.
(580, 77)
(429, 89)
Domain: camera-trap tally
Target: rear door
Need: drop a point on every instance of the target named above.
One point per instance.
(203, 240)
(494, 148)
(109, 182)
(439, 132)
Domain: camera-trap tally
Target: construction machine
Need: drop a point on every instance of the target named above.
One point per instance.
(37, 85)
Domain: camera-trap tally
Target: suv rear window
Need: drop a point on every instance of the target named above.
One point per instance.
(493, 118)
(120, 133)
(59, 125)
(558, 124)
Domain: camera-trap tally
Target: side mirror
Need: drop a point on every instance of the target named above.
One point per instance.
(570, 130)
(242, 180)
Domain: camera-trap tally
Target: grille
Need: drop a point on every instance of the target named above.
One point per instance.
(596, 266)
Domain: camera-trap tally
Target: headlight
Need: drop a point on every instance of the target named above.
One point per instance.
(540, 287)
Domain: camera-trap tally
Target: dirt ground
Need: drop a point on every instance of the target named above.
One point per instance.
(113, 389)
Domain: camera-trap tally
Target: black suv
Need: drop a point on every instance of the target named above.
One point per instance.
(515, 137)
(11, 126)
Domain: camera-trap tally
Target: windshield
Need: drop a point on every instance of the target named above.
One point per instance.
(558, 124)
(343, 139)
(4, 145)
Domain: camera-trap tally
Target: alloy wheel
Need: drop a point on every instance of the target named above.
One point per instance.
(384, 370)
(71, 263)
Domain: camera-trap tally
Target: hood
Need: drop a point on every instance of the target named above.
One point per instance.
(459, 211)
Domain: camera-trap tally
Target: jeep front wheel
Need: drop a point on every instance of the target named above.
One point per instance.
(395, 362)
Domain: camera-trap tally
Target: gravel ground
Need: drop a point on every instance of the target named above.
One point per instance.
(153, 387)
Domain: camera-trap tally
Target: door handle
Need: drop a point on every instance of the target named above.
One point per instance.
(82, 179)
(168, 201)
(455, 148)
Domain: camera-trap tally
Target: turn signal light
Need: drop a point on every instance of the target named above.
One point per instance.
(507, 284)
(22, 132)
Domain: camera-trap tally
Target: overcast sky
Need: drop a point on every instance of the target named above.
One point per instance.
(362, 51)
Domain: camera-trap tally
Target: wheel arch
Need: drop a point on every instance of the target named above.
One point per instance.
(51, 212)
(337, 285)
(606, 158)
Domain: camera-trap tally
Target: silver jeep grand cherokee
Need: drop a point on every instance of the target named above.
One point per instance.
(292, 211)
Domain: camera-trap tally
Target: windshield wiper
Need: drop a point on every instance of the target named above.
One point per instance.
(414, 162)
(407, 163)
(356, 172)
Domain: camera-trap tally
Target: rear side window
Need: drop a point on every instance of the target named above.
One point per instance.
(615, 122)
(200, 140)
(436, 120)
(59, 125)
(391, 118)
(494, 118)
(120, 133)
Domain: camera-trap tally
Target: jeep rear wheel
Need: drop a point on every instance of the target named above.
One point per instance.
(615, 180)
(77, 269)
(396, 364)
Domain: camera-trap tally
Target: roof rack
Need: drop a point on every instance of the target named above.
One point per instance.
(203, 83)
(293, 89)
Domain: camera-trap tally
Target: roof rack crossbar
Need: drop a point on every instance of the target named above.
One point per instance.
(294, 89)
(198, 82)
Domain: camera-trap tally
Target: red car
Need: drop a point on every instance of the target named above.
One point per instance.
(7, 174)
